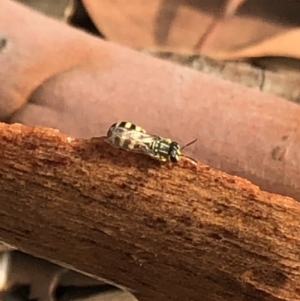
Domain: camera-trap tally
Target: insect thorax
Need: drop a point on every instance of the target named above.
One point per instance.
(165, 149)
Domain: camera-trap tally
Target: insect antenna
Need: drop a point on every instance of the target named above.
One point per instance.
(190, 143)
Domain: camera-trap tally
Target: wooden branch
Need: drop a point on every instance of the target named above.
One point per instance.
(164, 232)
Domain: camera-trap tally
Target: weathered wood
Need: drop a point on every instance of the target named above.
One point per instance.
(165, 232)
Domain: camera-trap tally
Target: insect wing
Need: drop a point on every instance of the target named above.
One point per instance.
(129, 140)
(141, 142)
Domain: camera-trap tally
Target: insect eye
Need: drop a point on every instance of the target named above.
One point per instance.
(174, 152)
(173, 158)
(174, 145)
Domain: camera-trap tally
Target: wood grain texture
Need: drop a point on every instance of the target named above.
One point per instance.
(164, 232)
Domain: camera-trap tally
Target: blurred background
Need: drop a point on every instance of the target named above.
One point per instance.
(253, 42)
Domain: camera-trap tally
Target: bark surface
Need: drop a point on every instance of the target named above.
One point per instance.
(163, 231)
(241, 131)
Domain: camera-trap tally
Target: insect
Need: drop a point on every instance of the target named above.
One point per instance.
(131, 137)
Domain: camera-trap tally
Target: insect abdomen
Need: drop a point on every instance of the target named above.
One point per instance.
(115, 135)
(124, 125)
(123, 143)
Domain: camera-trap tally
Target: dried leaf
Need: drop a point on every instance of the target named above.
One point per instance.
(285, 43)
(219, 29)
(166, 24)
(232, 6)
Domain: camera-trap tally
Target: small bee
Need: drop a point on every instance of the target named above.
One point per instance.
(133, 138)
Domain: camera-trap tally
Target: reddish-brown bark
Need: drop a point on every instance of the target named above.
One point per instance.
(165, 232)
(66, 79)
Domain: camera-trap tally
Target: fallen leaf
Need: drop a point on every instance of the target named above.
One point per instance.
(219, 29)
